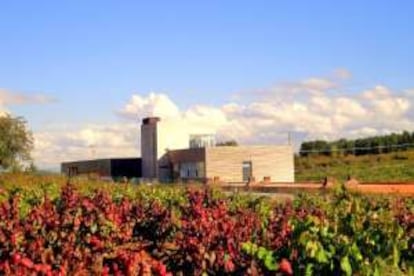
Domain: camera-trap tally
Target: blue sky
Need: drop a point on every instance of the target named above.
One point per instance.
(92, 56)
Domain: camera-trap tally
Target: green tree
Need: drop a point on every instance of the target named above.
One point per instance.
(16, 143)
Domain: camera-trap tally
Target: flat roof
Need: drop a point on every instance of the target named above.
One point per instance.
(103, 159)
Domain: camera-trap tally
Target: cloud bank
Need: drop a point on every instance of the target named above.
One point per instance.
(313, 108)
(68, 143)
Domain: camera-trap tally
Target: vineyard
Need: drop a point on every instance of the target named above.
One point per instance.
(49, 227)
(391, 167)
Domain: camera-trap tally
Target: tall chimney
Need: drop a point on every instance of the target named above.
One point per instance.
(149, 145)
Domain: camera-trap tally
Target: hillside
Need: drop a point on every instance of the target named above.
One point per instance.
(395, 166)
(393, 142)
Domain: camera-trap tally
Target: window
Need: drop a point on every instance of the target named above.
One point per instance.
(192, 170)
(72, 171)
(247, 170)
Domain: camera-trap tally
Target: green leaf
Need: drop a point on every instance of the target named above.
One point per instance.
(303, 238)
(395, 255)
(376, 271)
(262, 253)
(356, 253)
(309, 270)
(247, 247)
(346, 266)
(311, 248)
(321, 256)
(271, 263)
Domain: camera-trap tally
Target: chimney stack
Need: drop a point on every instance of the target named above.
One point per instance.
(149, 146)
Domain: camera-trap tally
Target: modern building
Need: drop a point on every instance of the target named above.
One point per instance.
(231, 164)
(113, 167)
(168, 157)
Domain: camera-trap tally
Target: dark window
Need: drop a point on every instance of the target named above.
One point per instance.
(247, 170)
(72, 171)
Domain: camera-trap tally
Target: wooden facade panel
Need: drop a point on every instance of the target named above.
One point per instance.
(275, 162)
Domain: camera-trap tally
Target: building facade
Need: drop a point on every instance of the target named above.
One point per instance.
(111, 167)
(174, 156)
(201, 160)
(233, 163)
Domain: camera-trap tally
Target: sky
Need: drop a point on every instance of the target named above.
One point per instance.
(84, 73)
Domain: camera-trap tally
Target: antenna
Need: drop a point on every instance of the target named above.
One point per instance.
(92, 151)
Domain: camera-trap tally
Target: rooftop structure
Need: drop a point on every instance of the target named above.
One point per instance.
(202, 141)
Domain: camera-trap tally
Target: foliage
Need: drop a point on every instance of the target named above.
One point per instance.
(394, 167)
(16, 142)
(89, 227)
(370, 145)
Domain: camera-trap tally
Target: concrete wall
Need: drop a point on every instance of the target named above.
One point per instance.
(275, 162)
(149, 146)
(116, 167)
(99, 166)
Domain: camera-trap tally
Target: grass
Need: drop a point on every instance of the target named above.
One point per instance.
(395, 167)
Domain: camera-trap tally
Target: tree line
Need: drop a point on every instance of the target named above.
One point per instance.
(370, 145)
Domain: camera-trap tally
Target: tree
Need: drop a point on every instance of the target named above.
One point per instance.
(370, 145)
(16, 142)
(232, 143)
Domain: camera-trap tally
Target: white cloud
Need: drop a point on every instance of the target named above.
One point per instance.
(153, 105)
(349, 107)
(8, 98)
(382, 102)
(85, 142)
(307, 87)
(317, 85)
(307, 107)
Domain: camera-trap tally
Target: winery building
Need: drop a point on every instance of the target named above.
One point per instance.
(169, 157)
